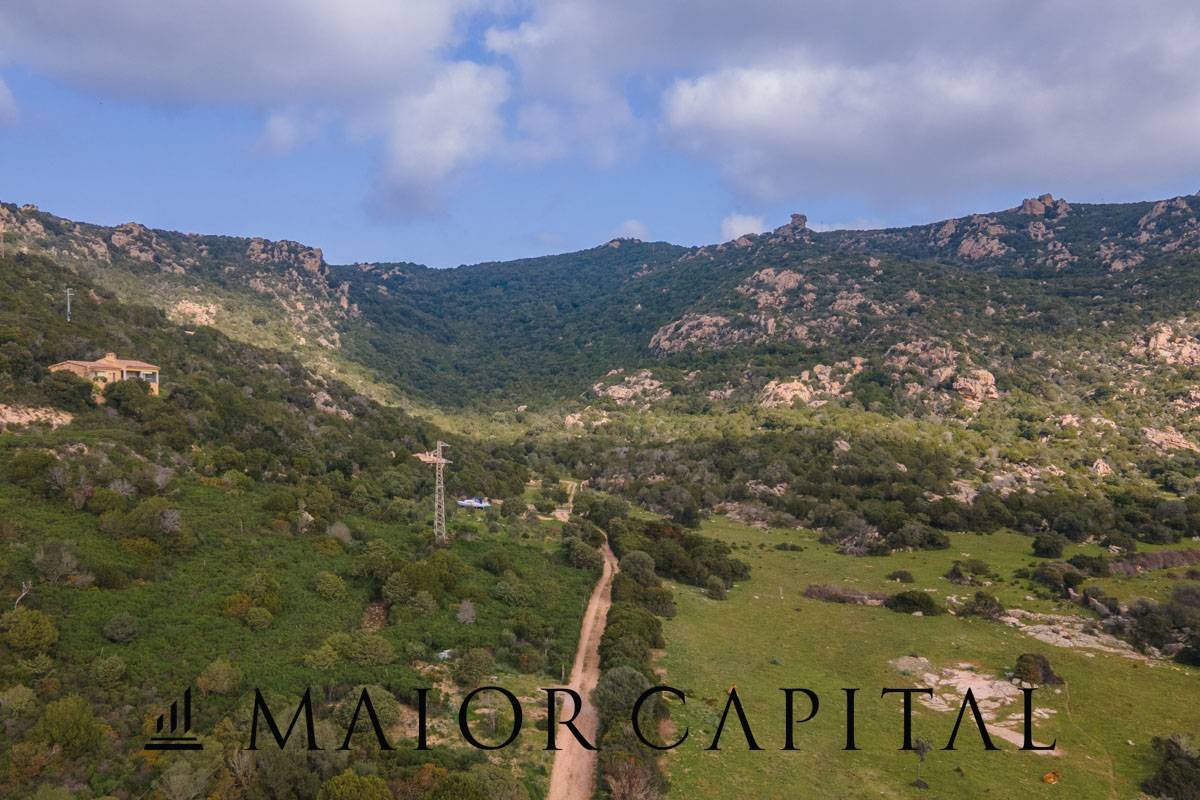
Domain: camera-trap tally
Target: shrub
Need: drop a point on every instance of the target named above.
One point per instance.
(350, 786)
(70, 724)
(581, 555)
(265, 591)
(1034, 669)
(1178, 773)
(108, 670)
(1049, 545)
(28, 631)
(497, 562)
(423, 603)
(466, 613)
(638, 565)
(330, 586)
(66, 390)
(1092, 566)
(984, 605)
(110, 576)
(914, 535)
(219, 677)
(258, 618)
(844, 594)
(715, 588)
(370, 649)
(237, 605)
(472, 666)
(397, 588)
(1057, 575)
(913, 602)
(105, 500)
(121, 629)
(900, 576)
(616, 692)
(17, 701)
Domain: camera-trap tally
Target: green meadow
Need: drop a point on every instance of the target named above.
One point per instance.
(767, 636)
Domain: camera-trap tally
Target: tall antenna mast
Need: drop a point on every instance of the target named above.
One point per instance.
(439, 461)
(69, 293)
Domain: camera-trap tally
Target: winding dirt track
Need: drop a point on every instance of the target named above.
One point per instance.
(574, 771)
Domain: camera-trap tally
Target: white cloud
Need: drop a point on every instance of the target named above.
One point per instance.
(918, 102)
(632, 229)
(8, 106)
(906, 130)
(284, 132)
(736, 225)
(377, 66)
(433, 134)
(265, 52)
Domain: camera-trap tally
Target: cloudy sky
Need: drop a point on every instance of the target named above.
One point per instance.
(452, 131)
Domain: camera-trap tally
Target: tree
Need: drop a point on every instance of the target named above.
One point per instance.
(1178, 774)
(466, 613)
(350, 786)
(1049, 545)
(330, 586)
(66, 390)
(219, 677)
(265, 591)
(259, 618)
(472, 666)
(638, 565)
(28, 631)
(714, 588)
(616, 692)
(108, 670)
(69, 723)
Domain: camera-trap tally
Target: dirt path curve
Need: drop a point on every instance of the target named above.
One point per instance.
(573, 773)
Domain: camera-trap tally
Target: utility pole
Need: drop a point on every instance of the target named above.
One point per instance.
(69, 293)
(439, 461)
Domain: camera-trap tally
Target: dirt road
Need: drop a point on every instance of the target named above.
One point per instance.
(573, 773)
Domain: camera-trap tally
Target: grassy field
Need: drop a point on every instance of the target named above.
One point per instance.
(766, 636)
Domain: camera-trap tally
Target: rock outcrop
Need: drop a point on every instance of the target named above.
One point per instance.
(975, 387)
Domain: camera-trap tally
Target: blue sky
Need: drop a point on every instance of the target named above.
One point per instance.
(461, 131)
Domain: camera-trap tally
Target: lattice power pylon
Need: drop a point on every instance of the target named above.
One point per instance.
(439, 462)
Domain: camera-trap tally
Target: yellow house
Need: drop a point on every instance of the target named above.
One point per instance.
(109, 369)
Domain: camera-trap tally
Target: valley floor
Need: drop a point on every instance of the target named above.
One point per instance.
(767, 636)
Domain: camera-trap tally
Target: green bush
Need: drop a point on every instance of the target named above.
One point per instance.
(350, 786)
(108, 670)
(714, 589)
(984, 605)
(258, 618)
(913, 602)
(1049, 545)
(330, 586)
(472, 666)
(900, 576)
(67, 391)
(70, 724)
(219, 677)
(28, 631)
(1034, 669)
(121, 629)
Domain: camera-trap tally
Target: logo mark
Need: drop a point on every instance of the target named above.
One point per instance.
(177, 737)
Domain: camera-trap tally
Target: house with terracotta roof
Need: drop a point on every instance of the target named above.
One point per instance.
(110, 369)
